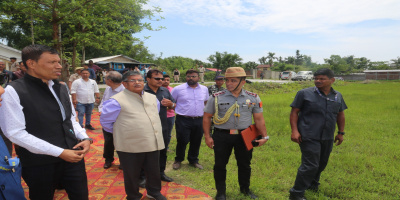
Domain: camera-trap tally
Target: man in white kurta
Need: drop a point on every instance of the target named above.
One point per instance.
(132, 117)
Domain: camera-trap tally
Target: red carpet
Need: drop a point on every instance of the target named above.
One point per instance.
(108, 184)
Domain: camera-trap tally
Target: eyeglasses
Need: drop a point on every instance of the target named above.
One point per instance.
(135, 80)
(191, 76)
(158, 79)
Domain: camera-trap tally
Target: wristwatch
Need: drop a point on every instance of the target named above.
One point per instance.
(341, 133)
(265, 138)
(90, 139)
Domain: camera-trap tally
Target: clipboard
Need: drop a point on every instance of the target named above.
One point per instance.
(248, 135)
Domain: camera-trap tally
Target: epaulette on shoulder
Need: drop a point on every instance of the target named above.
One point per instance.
(218, 93)
(251, 93)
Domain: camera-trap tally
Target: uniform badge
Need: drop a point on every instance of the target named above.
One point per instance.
(248, 101)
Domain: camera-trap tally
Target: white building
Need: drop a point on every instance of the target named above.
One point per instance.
(7, 52)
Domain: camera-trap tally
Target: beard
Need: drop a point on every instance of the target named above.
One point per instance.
(191, 82)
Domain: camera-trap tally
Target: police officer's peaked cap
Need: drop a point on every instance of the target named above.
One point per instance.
(78, 68)
(235, 72)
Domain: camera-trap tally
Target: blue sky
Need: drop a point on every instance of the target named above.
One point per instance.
(252, 28)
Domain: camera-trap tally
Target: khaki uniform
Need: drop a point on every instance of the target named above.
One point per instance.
(202, 70)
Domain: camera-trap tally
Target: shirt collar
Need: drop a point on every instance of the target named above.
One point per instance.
(230, 93)
(332, 90)
(187, 85)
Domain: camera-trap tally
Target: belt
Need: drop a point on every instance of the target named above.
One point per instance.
(226, 130)
(200, 72)
(190, 117)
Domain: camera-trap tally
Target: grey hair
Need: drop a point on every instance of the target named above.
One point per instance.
(114, 76)
(130, 73)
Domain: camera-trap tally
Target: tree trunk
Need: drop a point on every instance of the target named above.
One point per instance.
(73, 57)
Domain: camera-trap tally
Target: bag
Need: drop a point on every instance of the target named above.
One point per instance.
(10, 175)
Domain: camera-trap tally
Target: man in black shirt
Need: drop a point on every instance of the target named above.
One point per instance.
(154, 86)
(315, 113)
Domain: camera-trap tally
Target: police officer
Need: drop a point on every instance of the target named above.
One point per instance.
(233, 109)
(219, 81)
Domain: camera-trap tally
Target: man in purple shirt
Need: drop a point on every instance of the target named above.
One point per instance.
(190, 100)
(114, 83)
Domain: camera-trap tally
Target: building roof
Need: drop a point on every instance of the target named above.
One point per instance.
(213, 69)
(115, 59)
(263, 66)
(6, 52)
(389, 70)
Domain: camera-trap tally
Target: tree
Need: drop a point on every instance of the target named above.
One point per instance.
(224, 60)
(396, 63)
(299, 58)
(271, 57)
(263, 60)
(250, 65)
(337, 64)
(107, 27)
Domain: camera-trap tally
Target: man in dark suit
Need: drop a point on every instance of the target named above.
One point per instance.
(38, 116)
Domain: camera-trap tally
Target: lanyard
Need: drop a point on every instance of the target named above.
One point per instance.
(328, 99)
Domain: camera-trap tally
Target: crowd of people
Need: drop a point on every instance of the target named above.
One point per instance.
(137, 113)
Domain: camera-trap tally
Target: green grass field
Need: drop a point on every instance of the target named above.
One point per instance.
(365, 166)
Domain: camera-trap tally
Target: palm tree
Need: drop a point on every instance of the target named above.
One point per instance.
(271, 57)
(263, 60)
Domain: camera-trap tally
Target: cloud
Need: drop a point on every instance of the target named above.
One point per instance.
(301, 16)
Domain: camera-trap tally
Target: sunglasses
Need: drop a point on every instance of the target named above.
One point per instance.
(159, 79)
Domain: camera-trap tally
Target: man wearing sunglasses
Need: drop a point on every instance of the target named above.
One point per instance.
(154, 86)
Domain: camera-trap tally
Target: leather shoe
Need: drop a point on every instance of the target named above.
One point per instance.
(166, 178)
(142, 183)
(176, 165)
(249, 193)
(220, 196)
(107, 165)
(296, 197)
(90, 127)
(196, 165)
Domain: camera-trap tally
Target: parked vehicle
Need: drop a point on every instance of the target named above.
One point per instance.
(285, 75)
(339, 78)
(303, 76)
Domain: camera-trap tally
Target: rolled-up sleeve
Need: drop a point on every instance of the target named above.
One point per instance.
(111, 110)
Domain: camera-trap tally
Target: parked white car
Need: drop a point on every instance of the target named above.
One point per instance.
(303, 76)
(285, 75)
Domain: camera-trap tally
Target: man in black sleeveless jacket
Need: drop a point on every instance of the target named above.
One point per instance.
(37, 115)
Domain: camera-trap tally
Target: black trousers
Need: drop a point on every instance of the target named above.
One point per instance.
(132, 163)
(163, 152)
(188, 130)
(224, 142)
(108, 152)
(314, 158)
(42, 180)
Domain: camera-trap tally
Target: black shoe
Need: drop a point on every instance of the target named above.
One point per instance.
(220, 196)
(249, 193)
(142, 183)
(296, 197)
(90, 127)
(107, 165)
(166, 178)
(120, 167)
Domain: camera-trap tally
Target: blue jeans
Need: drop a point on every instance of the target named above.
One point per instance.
(84, 109)
(171, 122)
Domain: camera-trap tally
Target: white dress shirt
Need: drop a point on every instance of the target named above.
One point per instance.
(84, 90)
(12, 122)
